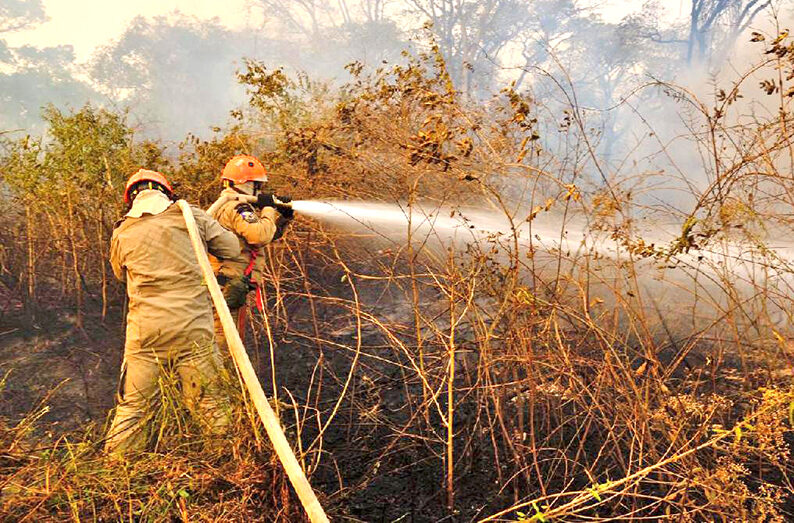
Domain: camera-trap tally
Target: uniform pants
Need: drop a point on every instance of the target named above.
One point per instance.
(220, 338)
(198, 369)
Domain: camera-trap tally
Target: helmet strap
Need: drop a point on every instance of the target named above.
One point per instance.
(147, 185)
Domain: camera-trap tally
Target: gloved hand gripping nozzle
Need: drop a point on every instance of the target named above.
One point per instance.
(283, 204)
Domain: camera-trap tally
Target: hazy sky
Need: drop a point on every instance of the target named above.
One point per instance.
(87, 24)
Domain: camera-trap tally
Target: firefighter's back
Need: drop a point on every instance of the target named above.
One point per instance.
(169, 303)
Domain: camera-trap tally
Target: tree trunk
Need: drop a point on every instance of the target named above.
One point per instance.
(30, 303)
(78, 284)
(103, 263)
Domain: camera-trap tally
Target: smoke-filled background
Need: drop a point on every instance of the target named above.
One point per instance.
(540, 267)
(173, 63)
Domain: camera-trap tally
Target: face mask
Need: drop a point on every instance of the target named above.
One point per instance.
(245, 188)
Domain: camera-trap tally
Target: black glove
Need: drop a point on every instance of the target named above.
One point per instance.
(264, 200)
(286, 211)
(270, 200)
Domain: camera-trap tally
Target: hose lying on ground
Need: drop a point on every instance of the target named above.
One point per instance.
(284, 452)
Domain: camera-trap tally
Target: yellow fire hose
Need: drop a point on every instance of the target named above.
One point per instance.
(284, 452)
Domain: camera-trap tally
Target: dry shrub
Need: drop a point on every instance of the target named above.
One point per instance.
(509, 380)
(190, 474)
(552, 374)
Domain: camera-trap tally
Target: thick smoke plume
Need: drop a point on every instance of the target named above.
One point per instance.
(176, 72)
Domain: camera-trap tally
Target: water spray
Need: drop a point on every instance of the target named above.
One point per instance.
(552, 241)
(546, 232)
(392, 221)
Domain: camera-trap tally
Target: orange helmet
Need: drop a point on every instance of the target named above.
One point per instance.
(244, 168)
(145, 175)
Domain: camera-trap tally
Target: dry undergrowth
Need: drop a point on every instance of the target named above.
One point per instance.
(507, 381)
(188, 475)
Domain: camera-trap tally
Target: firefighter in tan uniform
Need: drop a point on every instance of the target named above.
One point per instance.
(257, 218)
(169, 323)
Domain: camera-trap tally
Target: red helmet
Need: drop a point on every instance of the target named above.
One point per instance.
(244, 168)
(145, 175)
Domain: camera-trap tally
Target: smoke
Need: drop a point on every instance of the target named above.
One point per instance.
(176, 73)
(652, 135)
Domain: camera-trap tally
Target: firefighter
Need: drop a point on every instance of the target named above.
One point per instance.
(169, 320)
(257, 217)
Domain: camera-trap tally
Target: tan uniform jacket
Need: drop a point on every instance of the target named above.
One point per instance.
(169, 304)
(255, 229)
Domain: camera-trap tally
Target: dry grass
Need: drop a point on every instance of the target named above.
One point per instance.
(505, 382)
(188, 475)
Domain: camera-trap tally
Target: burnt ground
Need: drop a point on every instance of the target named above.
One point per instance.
(371, 468)
(380, 461)
(74, 370)
(377, 465)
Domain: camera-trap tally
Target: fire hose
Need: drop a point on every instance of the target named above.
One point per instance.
(272, 425)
